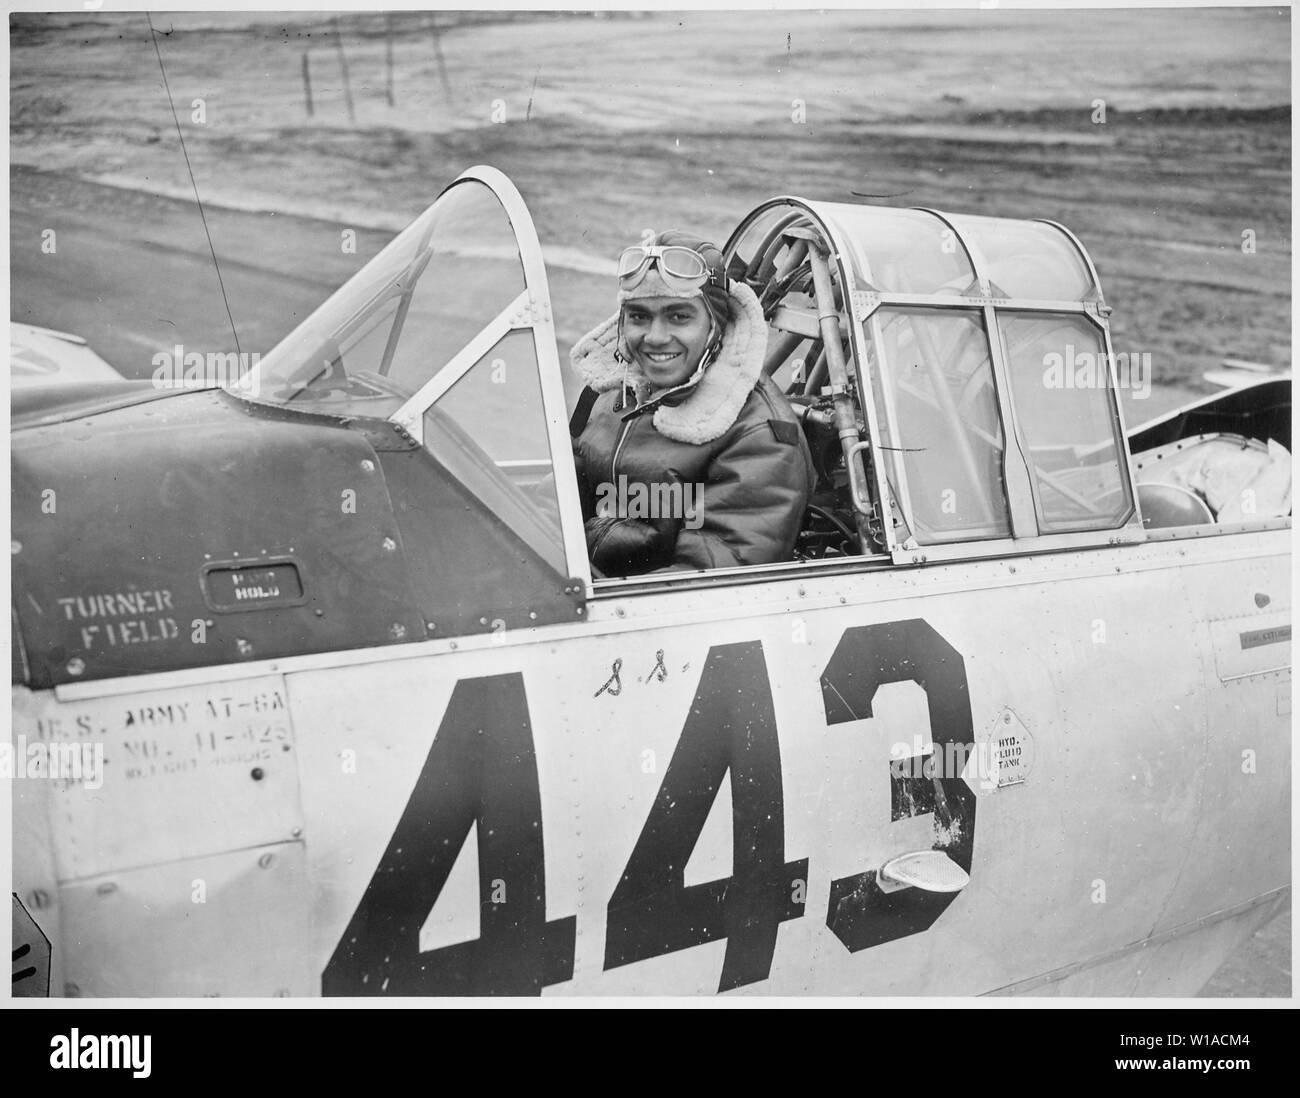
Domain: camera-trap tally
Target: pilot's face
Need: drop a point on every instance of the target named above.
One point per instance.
(667, 337)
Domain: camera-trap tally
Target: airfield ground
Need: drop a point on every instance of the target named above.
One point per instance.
(616, 124)
(611, 125)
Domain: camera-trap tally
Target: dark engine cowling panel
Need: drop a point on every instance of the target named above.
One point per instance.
(190, 531)
(154, 532)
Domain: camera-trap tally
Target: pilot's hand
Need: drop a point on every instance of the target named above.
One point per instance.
(625, 546)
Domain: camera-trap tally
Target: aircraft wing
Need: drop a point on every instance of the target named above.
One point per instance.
(42, 356)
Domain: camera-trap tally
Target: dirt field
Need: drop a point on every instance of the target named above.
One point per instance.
(611, 125)
(619, 123)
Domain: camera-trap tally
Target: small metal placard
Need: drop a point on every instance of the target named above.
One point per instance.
(1013, 749)
(253, 587)
(1013, 756)
(1257, 638)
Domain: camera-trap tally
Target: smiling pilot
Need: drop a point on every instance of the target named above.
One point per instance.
(688, 455)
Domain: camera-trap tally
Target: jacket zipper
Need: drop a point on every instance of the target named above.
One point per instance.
(613, 465)
(622, 438)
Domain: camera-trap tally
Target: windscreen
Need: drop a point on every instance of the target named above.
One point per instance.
(428, 328)
(403, 317)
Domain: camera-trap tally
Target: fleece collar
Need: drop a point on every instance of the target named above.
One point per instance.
(716, 399)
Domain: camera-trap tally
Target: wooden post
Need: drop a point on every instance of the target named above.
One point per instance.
(343, 64)
(388, 54)
(442, 61)
(306, 82)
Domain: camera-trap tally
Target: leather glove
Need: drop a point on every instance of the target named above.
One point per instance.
(627, 547)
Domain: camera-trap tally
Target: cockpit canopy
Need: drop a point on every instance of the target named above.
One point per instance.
(976, 363)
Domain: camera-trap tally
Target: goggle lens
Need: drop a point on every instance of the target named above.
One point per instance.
(675, 262)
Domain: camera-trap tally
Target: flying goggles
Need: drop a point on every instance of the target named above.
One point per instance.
(680, 267)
